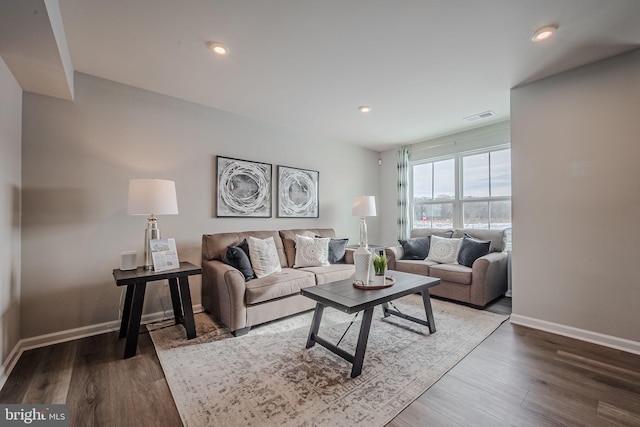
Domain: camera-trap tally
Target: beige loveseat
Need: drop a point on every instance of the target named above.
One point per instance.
(241, 305)
(477, 285)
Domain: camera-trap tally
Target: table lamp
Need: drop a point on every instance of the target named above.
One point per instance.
(363, 206)
(152, 197)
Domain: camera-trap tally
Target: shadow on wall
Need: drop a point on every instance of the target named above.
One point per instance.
(57, 206)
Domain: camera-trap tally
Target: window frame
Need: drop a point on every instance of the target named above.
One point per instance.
(458, 200)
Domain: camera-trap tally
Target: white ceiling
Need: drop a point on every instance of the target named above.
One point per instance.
(308, 64)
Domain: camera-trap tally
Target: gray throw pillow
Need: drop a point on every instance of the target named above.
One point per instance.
(337, 250)
(416, 248)
(471, 249)
(238, 257)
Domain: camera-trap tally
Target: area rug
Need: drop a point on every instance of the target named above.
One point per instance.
(268, 378)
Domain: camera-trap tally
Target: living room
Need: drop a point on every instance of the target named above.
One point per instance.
(66, 166)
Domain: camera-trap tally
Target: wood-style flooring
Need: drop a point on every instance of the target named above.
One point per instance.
(516, 377)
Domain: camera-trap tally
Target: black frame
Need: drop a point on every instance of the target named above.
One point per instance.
(291, 208)
(258, 174)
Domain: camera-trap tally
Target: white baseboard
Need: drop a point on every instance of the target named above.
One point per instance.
(73, 334)
(579, 334)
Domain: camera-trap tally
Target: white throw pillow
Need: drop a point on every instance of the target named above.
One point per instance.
(443, 250)
(264, 256)
(311, 252)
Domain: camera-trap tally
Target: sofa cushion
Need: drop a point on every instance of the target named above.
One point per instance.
(311, 251)
(416, 248)
(471, 249)
(277, 285)
(214, 246)
(452, 273)
(415, 266)
(424, 232)
(264, 256)
(498, 238)
(332, 273)
(289, 240)
(238, 257)
(444, 250)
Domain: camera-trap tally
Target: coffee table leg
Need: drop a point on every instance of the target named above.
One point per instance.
(315, 325)
(385, 307)
(362, 342)
(428, 310)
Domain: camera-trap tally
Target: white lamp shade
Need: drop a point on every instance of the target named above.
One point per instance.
(152, 197)
(364, 206)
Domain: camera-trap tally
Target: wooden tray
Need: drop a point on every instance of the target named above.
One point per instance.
(388, 282)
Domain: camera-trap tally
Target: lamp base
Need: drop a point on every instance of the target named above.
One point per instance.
(151, 233)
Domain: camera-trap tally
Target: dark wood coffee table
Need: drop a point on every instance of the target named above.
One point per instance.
(345, 297)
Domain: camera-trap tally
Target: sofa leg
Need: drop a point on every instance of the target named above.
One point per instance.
(241, 332)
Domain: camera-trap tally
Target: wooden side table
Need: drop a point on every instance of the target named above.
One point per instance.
(136, 283)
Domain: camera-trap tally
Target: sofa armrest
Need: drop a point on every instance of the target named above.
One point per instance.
(488, 278)
(393, 253)
(348, 255)
(223, 293)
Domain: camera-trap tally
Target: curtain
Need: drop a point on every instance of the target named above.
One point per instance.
(404, 220)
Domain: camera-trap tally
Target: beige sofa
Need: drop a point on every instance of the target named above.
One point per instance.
(241, 305)
(485, 281)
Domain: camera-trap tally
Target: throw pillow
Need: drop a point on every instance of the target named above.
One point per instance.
(311, 252)
(416, 248)
(471, 249)
(337, 250)
(264, 256)
(237, 256)
(443, 250)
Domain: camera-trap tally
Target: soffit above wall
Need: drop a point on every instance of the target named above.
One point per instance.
(34, 47)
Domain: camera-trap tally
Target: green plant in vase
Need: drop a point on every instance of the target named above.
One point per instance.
(380, 265)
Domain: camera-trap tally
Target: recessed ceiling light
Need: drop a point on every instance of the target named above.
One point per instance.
(544, 33)
(218, 48)
(364, 108)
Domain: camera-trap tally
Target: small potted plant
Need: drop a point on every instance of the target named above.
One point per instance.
(380, 268)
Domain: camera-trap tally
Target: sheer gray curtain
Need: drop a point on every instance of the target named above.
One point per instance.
(403, 193)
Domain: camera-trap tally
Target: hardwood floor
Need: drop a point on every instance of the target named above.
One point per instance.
(518, 376)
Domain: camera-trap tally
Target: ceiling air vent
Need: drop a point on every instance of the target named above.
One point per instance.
(483, 115)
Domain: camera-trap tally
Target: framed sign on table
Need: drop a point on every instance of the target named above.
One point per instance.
(298, 193)
(243, 188)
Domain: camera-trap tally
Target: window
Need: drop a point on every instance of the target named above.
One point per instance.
(434, 194)
(477, 196)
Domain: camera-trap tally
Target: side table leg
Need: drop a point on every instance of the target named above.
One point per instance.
(315, 325)
(362, 342)
(426, 299)
(126, 312)
(187, 305)
(134, 321)
(175, 301)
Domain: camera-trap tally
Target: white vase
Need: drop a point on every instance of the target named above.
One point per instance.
(362, 261)
(378, 280)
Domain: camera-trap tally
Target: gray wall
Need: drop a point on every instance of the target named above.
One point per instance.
(77, 160)
(10, 184)
(576, 198)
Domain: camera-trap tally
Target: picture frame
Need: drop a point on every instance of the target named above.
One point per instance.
(298, 191)
(164, 254)
(243, 188)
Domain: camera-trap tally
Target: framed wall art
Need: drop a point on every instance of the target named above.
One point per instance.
(297, 193)
(243, 188)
